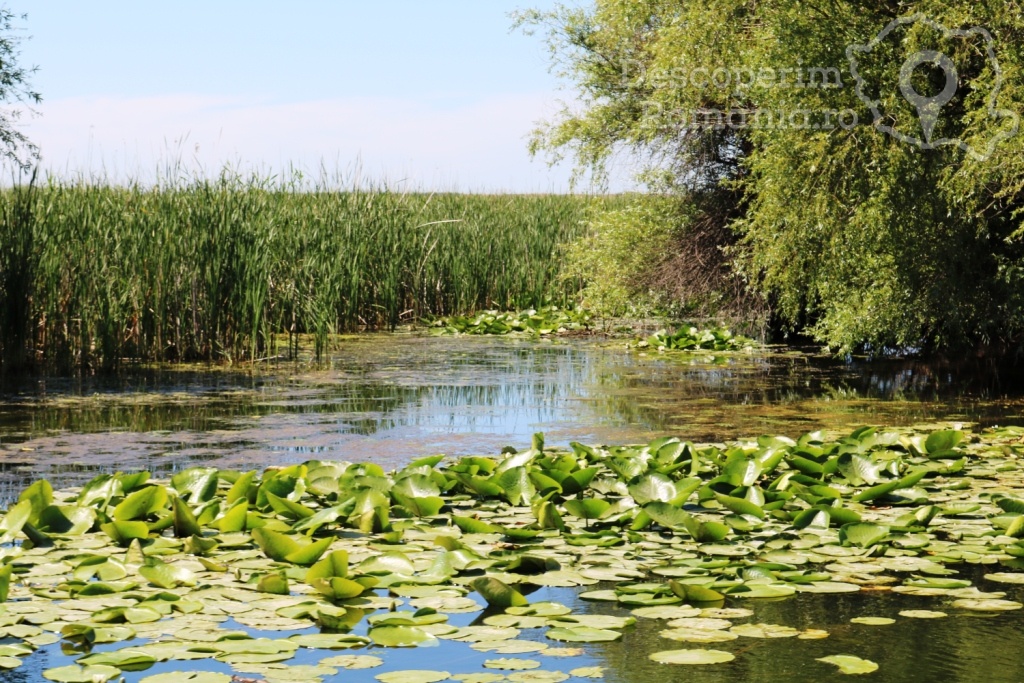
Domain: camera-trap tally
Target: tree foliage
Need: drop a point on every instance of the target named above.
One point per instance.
(15, 90)
(845, 216)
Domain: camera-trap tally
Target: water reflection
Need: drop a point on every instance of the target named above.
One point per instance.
(390, 398)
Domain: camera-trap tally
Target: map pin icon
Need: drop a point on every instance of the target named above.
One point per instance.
(928, 108)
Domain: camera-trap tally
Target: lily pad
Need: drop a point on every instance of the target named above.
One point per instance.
(511, 664)
(583, 634)
(989, 605)
(413, 676)
(692, 657)
(188, 677)
(873, 621)
(848, 664)
(85, 674)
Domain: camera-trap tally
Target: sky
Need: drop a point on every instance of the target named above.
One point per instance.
(428, 94)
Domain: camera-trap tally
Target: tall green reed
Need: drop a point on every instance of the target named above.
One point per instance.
(93, 274)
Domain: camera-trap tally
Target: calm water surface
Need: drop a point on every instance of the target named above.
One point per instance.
(391, 398)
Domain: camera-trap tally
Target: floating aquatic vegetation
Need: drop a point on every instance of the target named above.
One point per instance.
(669, 530)
(691, 338)
(540, 322)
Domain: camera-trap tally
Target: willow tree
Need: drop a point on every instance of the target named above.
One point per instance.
(865, 155)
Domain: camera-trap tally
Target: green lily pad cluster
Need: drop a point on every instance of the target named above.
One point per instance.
(334, 556)
(541, 322)
(691, 338)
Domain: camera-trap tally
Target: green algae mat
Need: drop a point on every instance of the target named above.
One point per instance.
(300, 572)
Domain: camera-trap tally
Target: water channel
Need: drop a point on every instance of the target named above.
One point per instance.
(391, 398)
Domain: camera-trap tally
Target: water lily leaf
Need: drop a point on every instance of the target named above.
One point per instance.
(652, 487)
(497, 593)
(742, 471)
(353, 662)
(516, 484)
(470, 525)
(329, 641)
(284, 548)
(67, 520)
(416, 486)
(698, 635)
(401, 636)
(511, 664)
(939, 443)
(421, 507)
(848, 664)
(826, 587)
(888, 487)
(859, 470)
(1006, 577)
(39, 494)
(480, 634)
(764, 631)
(387, 563)
(255, 646)
(740, 506)
(548, 516)
(537, 676)
(667, 612)
(578, 481)
(479, 678)
(862, 534)
(588, 672)
(705, 623)
(603, 621)
(79, 674)
(667, 515)
(512, 646)
(196, 484)
(127, 659)
(275, 584)
(288, 509)
(188, 677)
(922, 614)
(338, 587)
(16, 518)
(235, 518)
(123, 533)
(873, 621)
(582, 634)
(167, 575)
(587, 508)
(185, 523)
(694, 593)
(142, 503)
(692, 657)
(413, 676)
(987, 605)
(5, 581)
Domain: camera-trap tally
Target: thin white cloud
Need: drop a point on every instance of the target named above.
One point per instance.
(472, 146)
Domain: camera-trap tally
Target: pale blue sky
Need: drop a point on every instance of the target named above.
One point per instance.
(439, 93)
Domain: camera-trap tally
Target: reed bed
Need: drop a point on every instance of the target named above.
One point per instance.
(93, 274)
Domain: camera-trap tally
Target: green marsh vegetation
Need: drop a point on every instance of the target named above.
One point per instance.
(274, 572)
(91, 275)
